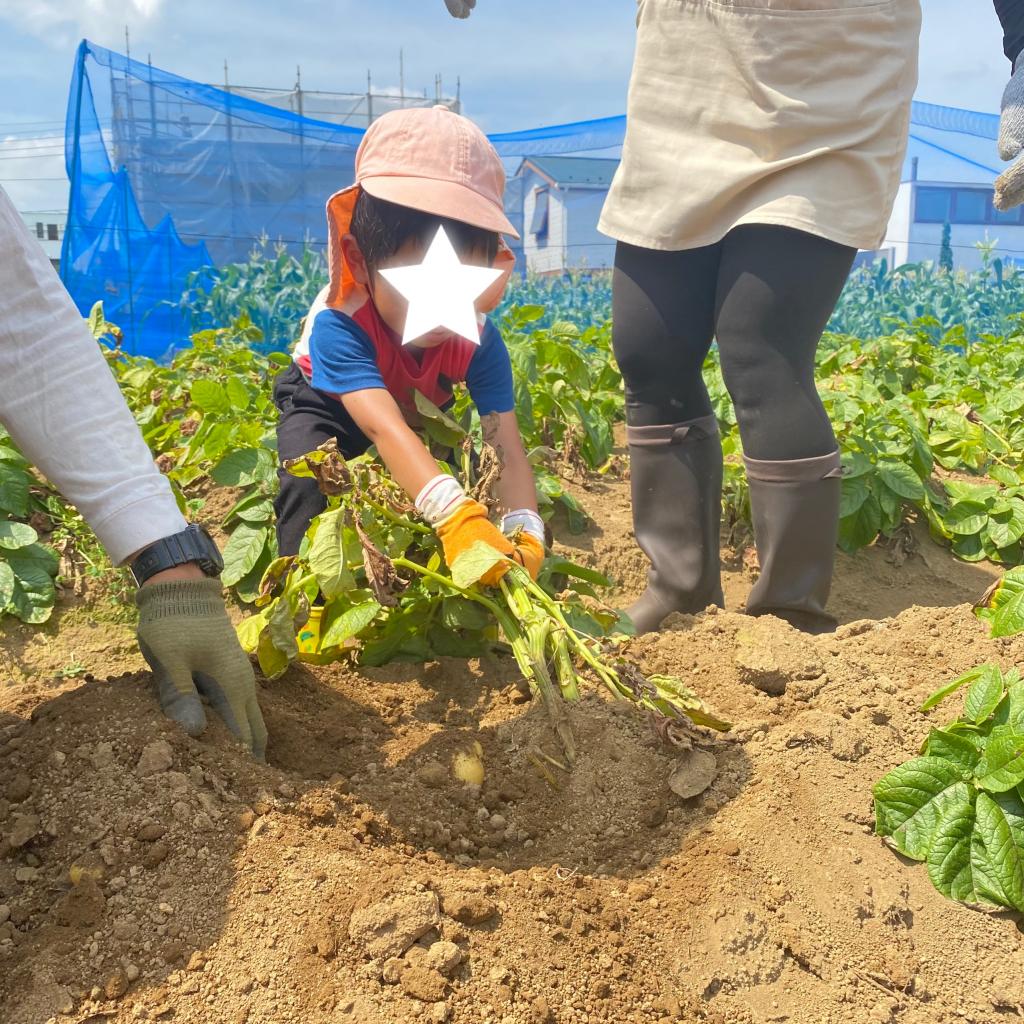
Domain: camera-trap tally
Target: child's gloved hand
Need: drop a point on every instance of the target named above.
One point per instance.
(459, 8)
(467, 525)
(530, 553)
(528, 529)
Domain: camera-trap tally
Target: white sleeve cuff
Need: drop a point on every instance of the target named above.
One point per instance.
(440, 498)
(527, 520)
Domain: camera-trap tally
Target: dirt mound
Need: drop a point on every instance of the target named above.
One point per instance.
(145, 875)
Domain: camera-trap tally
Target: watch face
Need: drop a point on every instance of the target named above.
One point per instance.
(212, 562)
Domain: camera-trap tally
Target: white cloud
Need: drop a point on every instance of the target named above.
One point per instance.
(62, 22)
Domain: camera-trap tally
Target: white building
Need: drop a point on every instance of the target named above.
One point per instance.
(32, 174)
(48, 231)
(947, 179)
(562, 198)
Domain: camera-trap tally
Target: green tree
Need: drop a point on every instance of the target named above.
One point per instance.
(946, 249)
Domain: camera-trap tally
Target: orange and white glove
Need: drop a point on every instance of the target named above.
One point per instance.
(460, 522)
(530, 543)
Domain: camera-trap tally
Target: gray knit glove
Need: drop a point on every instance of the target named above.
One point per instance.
(459, 8)
(185, 635)
(1010, 184)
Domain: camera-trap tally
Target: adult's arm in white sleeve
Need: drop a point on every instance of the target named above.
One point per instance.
(63, 408)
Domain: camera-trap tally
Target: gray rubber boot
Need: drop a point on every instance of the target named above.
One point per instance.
(676, 484)
(795, 508)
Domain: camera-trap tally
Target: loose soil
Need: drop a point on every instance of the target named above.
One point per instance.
(148, 876)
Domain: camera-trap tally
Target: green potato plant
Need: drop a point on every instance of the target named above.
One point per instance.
(387, 595)
(959, 805)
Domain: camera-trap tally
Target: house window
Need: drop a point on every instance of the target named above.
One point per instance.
(40, 229)
(970, 205)
(51, 232)
(933, 205)
(539, 223)
(960, 206)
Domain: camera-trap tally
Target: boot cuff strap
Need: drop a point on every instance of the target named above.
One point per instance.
(821, 467)
(665, 434)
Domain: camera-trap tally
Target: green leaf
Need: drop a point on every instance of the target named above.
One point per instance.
(1002, 765)
(1006, 528)
(856, 464)
(273, 662)
(326, 555)
(16, 535)
(997, 857)
(243, 551)
(249, 631)
(966, 518)
(13, 489)
(985, 693)
(243, 467)
(34, 569)
(940, 695)
(238, 394)
(901, 478)
(261, 511)
(855, 491)
(474, 563)
(439, 425)
(281, 625)
(949, 852)
(912, 798)
(1015, 707)
(860, 529)
(462, 613)
(955, 748)
(247, 589)
(401, 635)
(351, 622)
(970, 549)
(1004, 606)
(209, 396)
(579, 572)
(1004, 475)
(6, 585)
(577, 518)
(447, 644)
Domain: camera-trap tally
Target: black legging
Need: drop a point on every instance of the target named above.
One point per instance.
(766, 294)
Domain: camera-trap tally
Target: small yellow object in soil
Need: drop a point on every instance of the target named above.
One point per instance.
(468, 765)
(79, 873)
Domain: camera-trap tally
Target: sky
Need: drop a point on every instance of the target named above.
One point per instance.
(522, 63)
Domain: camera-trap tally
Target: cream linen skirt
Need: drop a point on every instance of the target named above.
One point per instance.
(791, 112)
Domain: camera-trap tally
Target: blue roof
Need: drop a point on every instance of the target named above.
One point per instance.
(952, 145)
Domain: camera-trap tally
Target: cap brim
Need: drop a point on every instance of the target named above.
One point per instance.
(441, 198)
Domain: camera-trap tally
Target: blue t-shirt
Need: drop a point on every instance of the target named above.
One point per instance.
(343, 359)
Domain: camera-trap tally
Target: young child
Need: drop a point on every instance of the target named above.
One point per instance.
(354, 380)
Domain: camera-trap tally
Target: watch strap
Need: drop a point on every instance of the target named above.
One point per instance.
(191, 545)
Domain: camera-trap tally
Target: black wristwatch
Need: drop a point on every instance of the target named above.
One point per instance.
(193, 544)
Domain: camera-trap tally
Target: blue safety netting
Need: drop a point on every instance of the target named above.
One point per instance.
(169, 176)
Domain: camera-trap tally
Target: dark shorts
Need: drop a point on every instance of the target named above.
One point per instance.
(306, 419)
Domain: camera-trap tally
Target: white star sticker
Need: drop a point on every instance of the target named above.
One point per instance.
(441, 291)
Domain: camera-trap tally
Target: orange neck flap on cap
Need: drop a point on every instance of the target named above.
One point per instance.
(343, 284)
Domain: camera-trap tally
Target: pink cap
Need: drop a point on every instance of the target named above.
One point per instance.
(435, 161)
